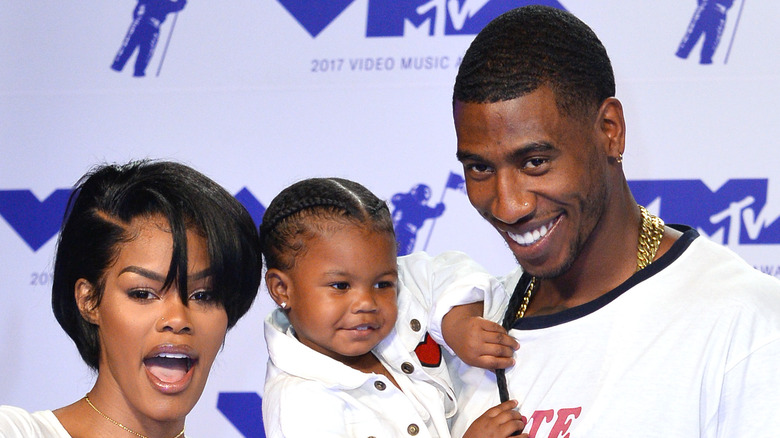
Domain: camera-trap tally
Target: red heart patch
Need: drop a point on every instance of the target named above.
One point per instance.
(429, 352)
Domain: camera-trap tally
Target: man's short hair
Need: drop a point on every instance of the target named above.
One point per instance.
(535, 46)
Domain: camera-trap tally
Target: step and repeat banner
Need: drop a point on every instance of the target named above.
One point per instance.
(258, 94)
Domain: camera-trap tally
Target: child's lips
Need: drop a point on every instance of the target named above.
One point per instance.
(363, 329)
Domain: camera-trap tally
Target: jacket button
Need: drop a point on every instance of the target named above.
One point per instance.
(407, 368)
(416, 326)
(413, 429)
(380, 385)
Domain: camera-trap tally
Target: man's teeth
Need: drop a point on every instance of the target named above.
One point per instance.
(531, 237)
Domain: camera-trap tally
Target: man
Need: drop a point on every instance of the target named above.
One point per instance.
(627, 327)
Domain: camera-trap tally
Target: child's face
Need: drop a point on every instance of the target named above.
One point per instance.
(342, 291)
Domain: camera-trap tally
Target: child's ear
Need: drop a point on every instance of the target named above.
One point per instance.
(86, 300)
(279, 286)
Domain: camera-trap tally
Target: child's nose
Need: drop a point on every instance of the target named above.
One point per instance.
(364, 300)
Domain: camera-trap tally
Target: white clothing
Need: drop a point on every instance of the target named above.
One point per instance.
(309, 394)
(687, 347)
(18, 423)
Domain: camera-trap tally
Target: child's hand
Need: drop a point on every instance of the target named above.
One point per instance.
(500, 421)
(477, 341)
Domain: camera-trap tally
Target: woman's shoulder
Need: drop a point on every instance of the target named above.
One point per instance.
(18, 423)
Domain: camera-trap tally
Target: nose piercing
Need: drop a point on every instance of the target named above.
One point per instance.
(525, 204)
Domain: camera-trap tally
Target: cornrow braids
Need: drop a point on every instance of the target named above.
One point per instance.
(306, 207)
(535, 46)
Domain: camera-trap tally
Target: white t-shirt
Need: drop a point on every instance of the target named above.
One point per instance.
(688, 347)
(18, 423)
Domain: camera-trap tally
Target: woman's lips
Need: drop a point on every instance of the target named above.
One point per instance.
(170, 368)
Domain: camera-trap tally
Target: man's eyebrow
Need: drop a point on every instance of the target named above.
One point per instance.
(462, 156)
(531, 148)
(161, 278)
(515, 154)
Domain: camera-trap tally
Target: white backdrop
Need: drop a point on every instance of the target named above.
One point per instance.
(258, 94)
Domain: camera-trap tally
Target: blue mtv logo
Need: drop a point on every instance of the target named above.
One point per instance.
(734, 214)
(390, 18)
(244, 410)
(37, 221)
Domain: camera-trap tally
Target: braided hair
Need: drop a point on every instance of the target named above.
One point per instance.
(310, 206)
(535, 46)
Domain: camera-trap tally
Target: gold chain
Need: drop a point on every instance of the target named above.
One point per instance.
(127, 429)
(526, 299)
(650, 235)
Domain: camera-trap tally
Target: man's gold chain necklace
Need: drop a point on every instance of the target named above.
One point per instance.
(650, 235)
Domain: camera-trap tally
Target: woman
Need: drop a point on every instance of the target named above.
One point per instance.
(155, 262)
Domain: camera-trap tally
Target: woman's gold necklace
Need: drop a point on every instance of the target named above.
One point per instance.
(126, 429)
(650, 235)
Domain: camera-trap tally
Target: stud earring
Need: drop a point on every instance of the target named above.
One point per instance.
(283, 305)
(619, 158)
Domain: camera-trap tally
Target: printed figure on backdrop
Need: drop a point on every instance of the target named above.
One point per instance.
(708, 21)
(144, 31)
(410, 211)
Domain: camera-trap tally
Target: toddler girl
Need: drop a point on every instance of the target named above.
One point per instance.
(349, 354)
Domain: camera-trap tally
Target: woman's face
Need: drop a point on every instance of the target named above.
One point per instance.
(156, 352)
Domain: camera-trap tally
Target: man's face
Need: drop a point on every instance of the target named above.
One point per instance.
(538, 176)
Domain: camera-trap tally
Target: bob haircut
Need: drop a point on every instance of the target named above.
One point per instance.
(96, 224)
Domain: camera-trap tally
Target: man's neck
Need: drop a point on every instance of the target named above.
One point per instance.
(607, 259)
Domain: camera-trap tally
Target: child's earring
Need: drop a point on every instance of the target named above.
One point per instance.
(283, 305)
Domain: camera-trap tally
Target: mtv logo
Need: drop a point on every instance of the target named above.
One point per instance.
(443, 17)
(36, 222)
(733, 214)
(388, 18)
(315, 15)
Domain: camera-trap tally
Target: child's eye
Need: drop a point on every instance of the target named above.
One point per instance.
(385, 285)
(141, 294)
(341, 285)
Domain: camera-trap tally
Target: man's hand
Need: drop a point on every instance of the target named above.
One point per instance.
(500, 421)
(477, 341)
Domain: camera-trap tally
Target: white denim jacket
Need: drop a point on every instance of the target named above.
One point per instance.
(309, 394)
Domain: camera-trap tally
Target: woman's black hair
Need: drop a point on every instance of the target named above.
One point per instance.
(303, 209)
(96, 224)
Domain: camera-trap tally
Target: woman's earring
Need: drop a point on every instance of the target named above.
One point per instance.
(283, 305)
(619, 158)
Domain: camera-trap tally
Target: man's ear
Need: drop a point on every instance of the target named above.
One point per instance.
(279, 286)
(612, 126)
(87, 300)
